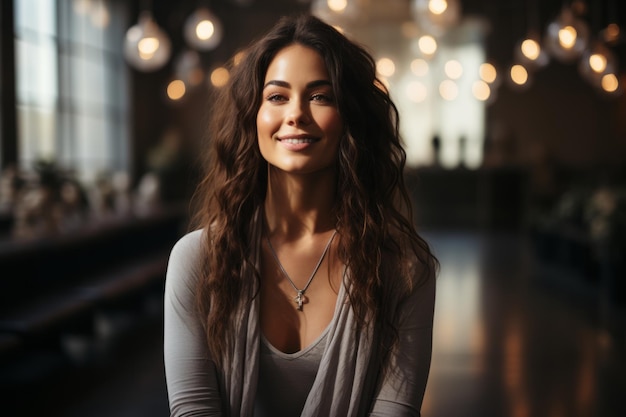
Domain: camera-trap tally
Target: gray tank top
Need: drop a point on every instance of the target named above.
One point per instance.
(285, 379)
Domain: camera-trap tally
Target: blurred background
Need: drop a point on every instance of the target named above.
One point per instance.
(513, 114)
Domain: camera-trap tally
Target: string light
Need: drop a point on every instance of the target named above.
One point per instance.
(385, 67)
(519, 78)
(427, 45)
(453, 69)
(436, 16)
(176, 90)
(219, 77)
(596, 62)
(567, 36)
(146, 47)
(203, 30)
(530, 53)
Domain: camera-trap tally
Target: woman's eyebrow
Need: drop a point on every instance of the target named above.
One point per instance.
(285, 84)
(277, 83)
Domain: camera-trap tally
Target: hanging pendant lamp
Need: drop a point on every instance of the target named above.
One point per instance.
(203, 30)
(147, 48)
(567, 36)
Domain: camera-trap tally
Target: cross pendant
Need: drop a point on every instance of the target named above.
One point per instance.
(299, 300)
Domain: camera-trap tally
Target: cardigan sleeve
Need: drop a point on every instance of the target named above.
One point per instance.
(402, 389)
(191, 377)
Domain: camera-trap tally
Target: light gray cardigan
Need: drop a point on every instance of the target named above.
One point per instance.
(347, 382)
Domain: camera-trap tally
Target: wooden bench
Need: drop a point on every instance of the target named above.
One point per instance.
(43, 302)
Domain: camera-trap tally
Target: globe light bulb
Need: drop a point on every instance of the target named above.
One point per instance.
(146, 47)
(337, 6)
(488, 72)
(530, 48)
(437, 6)
(567, 36)
(436, 16)
(610, 83)
(596, 62)
(425, 46)
(519, 77)
(203, 30)
(530, 53)
(338, 13)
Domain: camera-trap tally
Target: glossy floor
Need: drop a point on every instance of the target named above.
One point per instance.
(506, 344)
(510, 341)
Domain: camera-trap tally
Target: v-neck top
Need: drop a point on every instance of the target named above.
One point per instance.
(285, 379)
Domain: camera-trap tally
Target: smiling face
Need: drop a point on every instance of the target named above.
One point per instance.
(298, 123)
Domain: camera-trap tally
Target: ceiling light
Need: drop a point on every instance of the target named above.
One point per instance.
(203, 30)
(146, 47)
(436, 16)
(567, 36)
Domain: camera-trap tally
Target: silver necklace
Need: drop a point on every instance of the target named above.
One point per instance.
(300, 298)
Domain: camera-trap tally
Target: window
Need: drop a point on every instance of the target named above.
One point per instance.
(442, 116)
(72, 85)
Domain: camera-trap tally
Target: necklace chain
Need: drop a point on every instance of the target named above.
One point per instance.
(299, 298)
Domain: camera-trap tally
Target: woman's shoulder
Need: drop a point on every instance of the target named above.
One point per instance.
(187, 257)
(409, 266)
(190, 241)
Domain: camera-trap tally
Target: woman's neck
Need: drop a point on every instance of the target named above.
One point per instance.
(298, 205)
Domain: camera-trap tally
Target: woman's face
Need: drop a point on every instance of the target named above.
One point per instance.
(298, 124)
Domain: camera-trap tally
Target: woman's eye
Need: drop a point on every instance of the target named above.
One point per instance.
(275, 97)
(323, 98)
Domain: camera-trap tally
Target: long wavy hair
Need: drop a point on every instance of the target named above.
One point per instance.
(373, 215)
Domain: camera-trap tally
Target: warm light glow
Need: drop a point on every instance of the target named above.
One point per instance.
(453, 69)
(567, 37)
(427, 44)
(339, 29)
(337, 6)
(488, 72)
(481, 90)
(176, 90)
(238, 57)
(147, 47)
(205, 29)
(219, 77)
(419, 67)
(385, 67)
(448, 90)
(610, 83)
(416, 91)
(531, 49)
(437, 6)
(611, 33)
(519, 75)
(597, 62)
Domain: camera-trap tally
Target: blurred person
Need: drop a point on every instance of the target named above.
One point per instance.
(304, 287)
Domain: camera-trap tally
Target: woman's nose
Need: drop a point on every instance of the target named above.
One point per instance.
(297, 113)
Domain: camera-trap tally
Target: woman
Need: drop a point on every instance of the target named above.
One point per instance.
(305, 289)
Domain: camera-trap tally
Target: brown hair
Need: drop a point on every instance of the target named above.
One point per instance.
(374, 214)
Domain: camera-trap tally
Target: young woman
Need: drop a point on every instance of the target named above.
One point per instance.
(304, 288)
